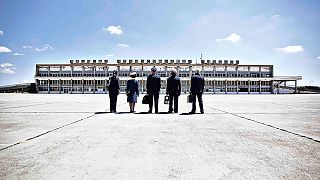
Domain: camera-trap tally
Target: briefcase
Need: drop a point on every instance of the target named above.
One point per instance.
(146, 99)
(166, 99)
(190, 98)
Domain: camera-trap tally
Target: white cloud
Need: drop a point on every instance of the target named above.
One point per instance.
(4, 65)
(1, 33)
(291, 49)
(6, 71)
(4, 49)
(113, 29)
(275, 16)
(44, 48)
(7, 68)
(318, 57)
(234, 37)
(123, 45)
(18, 54)
(27, 47)
(109, 55)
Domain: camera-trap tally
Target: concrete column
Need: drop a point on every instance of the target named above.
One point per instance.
(202, 70)
(278, 87)
(60, 70)
(82, 86)
(237, 70)
(190, 71)
(94, 71)
(295, 87)
(94, 86)
(214, 86)
(48, 86)
(271, 87)
(71, 71)
(248, 71)
(49, 71)
(82, 71)
(249, 86)
(106, 71)
(285, 84)
(226, 86)
(141, 71)
(118, 69)
(130, 68)
(237, 86)
(260, 87)
(60, 85)
(226, 71)
(214, 71)
(71, 85)
(259, 71)
(178, 70)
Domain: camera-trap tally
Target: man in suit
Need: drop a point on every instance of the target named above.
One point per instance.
(153, 88)
(196, 89)
(114, 89)
(173, 90)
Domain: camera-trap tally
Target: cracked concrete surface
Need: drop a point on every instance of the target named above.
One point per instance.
(223, 143)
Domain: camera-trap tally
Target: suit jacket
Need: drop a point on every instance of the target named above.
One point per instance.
(153, 84)
(173, 85)
(114, 86)
(197, 84)
(132, 87)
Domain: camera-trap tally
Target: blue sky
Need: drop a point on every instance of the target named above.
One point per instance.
(282, 33)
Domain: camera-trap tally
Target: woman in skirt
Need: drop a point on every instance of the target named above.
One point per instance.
(132, 91)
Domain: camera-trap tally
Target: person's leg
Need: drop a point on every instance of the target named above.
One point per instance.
(176, 99)
(193, 103)
(111, 102)
(200, 103)
(133, 105)
(156, 102)
(115, 103)
(130, 106)
(170, 103)
(150, 103)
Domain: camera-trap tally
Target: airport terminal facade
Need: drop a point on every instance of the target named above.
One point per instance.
(221, 76)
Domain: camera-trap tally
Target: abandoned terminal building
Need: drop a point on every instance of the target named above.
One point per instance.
(221, 76)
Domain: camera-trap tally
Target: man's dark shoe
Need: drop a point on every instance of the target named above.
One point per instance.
(169, 111)
(202, 112)
(149, 111)
(192, 112)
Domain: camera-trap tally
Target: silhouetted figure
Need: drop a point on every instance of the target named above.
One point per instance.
(132, 91)
(173, 90)
(196, 89)
(114, 89)
(153, 89)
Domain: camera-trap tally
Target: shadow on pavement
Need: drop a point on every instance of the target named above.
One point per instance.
(188, 113)
(103, 112)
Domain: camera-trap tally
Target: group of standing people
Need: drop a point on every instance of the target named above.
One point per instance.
(173, 90)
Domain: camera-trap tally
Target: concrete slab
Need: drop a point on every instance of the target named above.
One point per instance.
(232, 140)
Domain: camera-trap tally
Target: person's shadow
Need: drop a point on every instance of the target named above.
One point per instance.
(103, 112)
(189, 113)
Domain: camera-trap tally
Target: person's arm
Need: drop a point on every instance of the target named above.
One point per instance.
(203, 84)
(167, 92)
(159, 84)
(179, 87)
(137, 88)
(118, 86)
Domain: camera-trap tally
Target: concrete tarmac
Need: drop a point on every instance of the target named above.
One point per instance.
(47, 136)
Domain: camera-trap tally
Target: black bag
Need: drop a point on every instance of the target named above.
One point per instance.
(146, 99)
(166, 99)
(190, 98)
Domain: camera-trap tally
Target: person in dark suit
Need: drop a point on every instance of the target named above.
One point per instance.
(196, 89)
(132, 91)
(173, 90)
(114, 90)
(153, 88)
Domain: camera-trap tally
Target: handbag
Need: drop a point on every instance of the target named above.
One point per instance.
(190, 98)
(146, 99)
(166, 99)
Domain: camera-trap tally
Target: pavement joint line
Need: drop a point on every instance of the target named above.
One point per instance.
(265, 124)
(52, 130)
(28, 105)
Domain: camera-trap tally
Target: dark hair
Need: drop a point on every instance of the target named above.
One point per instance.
(133, 75)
